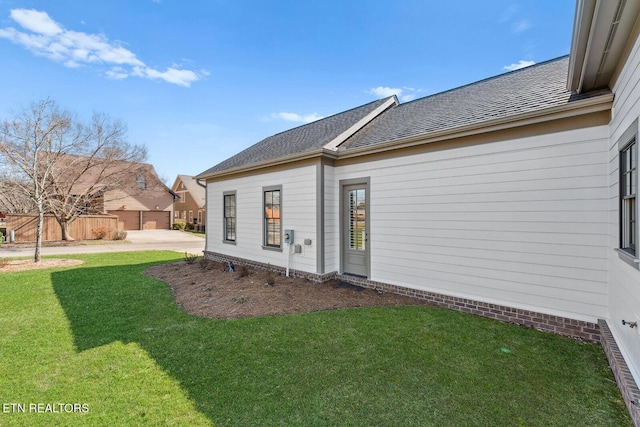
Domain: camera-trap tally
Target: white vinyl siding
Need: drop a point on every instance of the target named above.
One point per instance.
(298, 213)
(520, 222)
(331, 222)
(624, 277)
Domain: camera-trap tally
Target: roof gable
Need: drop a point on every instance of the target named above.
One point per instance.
(302, 139)
(190, 184)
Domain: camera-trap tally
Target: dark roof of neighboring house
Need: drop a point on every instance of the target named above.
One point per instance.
(298, 140)
(197, 191)
(529, 89)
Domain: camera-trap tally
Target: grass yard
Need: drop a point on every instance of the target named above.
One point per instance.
(105, 336)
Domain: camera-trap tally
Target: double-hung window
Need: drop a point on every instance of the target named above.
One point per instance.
(628, 191)
(229, 204)
(272, 204)
(628, 203)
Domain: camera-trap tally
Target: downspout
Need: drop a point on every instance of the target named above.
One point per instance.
(206, 204)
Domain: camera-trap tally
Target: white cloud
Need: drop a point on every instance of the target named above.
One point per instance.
(117, 73)
(404, 94)
(36, 21)
(520, 26)
(383, 91)
(294, 117)
(521, 64)
(45, 37)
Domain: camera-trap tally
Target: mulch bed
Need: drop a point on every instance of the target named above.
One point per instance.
(206, 288)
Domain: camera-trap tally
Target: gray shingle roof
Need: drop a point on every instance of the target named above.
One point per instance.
(298, 140)
(529, 89)
(197, 191)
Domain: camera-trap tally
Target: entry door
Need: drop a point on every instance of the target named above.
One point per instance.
(355, 231)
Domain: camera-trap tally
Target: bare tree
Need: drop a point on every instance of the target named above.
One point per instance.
(12, 200)
(27, 145)
(96, 163)
(61, 164)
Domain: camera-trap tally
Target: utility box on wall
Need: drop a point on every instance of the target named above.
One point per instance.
(289, 236)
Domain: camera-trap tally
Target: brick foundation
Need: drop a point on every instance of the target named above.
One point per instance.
(624, 379)
(586, 331)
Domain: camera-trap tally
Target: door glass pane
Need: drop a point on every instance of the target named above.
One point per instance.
(357, 212)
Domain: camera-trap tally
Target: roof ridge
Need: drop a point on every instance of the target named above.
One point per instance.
(328, 117)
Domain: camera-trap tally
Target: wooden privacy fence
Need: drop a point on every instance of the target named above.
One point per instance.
(24, 226)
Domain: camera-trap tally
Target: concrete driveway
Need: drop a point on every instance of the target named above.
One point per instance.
(144, 240)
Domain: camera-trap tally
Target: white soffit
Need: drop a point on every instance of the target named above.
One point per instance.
(600, 34)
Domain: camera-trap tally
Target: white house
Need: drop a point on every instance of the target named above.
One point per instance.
(513, 197)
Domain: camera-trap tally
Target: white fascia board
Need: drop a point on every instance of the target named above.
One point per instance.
(335, 143)
(585, 10)
(600, 34)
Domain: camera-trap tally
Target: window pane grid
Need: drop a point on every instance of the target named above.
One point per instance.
(357, 205)
(230, 217)
(628, 183)
(272, 218)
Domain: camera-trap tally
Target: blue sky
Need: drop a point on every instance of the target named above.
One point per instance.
(198, 81)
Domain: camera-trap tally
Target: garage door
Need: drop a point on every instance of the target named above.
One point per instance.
(155, 220)
(127, 220)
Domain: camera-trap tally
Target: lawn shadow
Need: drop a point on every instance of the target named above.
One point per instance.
(119, 304)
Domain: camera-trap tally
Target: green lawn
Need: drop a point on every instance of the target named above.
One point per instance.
(105, 336)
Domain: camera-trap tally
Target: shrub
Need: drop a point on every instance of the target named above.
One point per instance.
(118, 235)
(179, 225)
(190, 258)
(189, 226)
(243, 271)
(100, 232)
(271, 278)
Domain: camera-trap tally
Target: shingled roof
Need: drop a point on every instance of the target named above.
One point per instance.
(197, 191)
(530, 89)
(301, 139)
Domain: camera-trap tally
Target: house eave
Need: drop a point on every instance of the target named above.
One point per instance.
(269, 163)
(574, 109)
(600, 34)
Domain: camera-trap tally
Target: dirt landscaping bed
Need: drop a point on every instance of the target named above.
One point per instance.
(206, 288)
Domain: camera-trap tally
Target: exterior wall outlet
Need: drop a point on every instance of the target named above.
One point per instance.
(307, 242)
(298, 249)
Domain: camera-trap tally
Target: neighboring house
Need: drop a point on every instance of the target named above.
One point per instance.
(190, 207)
(146, 204)
(131, 191)
(513, 197)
